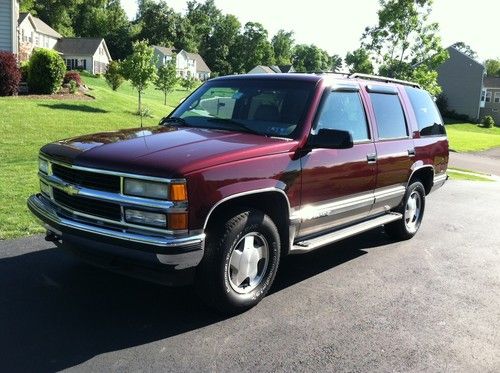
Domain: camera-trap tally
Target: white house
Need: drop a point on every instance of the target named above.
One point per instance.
(9, 12)
(89, 54)
(262, 69)
(187, 64)
(34, 33)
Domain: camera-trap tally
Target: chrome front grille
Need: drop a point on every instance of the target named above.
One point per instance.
(88, 206)
(92, 180)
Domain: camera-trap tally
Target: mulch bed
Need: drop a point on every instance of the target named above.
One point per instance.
(58, 96)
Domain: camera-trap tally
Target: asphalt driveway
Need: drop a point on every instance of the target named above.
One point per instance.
(487, 161)
(366, 304)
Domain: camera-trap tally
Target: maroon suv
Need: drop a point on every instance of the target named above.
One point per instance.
(247, 169)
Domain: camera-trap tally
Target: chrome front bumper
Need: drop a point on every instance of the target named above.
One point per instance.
(179, 252)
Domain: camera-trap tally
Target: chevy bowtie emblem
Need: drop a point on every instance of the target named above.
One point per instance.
(70, 189)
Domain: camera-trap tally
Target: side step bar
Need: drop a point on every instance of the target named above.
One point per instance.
(317, 242)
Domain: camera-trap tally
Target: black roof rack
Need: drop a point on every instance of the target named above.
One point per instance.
(383, 79)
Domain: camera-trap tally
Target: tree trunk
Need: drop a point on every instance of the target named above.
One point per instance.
(165, 98)
(140, 107)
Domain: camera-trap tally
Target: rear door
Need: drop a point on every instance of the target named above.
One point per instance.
(338, 184)
(394, 146)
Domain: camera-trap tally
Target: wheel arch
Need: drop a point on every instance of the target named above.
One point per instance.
(272, 201)
(425, 174)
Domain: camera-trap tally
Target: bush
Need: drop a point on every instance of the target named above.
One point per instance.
(46, 71)
(113, 75)
(72, 75)
(487, 122)
(24, 71)
(73, 86)
(10, 75)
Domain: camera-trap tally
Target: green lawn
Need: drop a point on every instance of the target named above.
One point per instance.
(461, 176)
(27, 123)
(468, 137)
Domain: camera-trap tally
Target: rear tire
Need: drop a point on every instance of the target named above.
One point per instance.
(412, 208)
(240, 263)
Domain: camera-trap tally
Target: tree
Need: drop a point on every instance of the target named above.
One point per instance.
(189, 83)
(167, 79)
(404, 39)
(282, 44)
(310, 58)
(252, 48)
(202, 19)
(359, 61)
(465, 49)
(140, 69)
(113, 75)
(336, 62)
(158, 23)
(221, 47)
(492, 67)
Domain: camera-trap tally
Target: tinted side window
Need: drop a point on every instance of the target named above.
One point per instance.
(428, 118)
(389, 114)
(344, 111)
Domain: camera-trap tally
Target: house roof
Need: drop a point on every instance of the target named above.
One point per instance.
(166, 51)
(491, 82)
(201, 66)
(79, 46)
(40, 26)
(265, 69)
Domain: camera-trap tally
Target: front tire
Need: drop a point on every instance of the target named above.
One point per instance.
(240, 263)
(412, 208)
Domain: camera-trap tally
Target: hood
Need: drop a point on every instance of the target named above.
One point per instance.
(163, 151)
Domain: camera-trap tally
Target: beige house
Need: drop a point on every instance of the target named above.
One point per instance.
(34, 33)
(187, 64)
(89, 54)
(9, 12)
(490, 98)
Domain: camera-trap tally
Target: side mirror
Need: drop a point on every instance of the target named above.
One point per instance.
(331, 139)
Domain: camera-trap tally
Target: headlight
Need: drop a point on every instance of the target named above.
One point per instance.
(43, 166)
(149, 189)
(146, 218)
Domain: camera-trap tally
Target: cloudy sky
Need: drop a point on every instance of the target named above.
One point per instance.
(336, 25)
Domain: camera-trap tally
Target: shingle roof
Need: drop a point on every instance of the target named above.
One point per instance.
(78, 46)
(201, 66)
(166, 51)
(40, 26)
(491, 82)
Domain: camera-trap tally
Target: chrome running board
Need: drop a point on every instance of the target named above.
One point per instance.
(320, 241)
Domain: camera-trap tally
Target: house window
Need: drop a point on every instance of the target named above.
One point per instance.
(488, 96)
(497, 97)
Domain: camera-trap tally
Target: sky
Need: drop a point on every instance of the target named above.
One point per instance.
(337, 25)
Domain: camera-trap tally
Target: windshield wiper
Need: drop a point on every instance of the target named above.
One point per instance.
(237, 124)
(173, 120)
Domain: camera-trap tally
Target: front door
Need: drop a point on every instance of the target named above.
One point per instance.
(338, 184)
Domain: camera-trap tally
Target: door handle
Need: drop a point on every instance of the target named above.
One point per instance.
(411, 152)
(371, 158)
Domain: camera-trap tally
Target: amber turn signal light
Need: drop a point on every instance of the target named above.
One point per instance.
(178, 192)
(177, 220)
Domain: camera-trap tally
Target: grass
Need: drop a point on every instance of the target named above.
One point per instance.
(26, 124)
(463, 176)
(469, 137)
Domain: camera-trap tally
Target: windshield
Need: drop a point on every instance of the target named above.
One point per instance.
(270, 108)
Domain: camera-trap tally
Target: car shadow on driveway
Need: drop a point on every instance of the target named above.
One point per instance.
(56, 312)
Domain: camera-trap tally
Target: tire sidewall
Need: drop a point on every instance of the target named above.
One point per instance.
(416, 186)
(254, 222)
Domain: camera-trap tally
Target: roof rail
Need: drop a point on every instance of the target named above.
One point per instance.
(383, 79)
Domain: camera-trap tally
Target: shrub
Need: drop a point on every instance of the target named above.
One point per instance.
(113, 75)
(24, 71)
(73, 86)
(10, 75)
(487, 122)
(72, 75)
(46, 71)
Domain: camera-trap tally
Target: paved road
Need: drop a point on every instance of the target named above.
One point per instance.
(368, 304)
(487, 161)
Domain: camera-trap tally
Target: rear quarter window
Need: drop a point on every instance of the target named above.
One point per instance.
(391, 122)
(429, 120)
